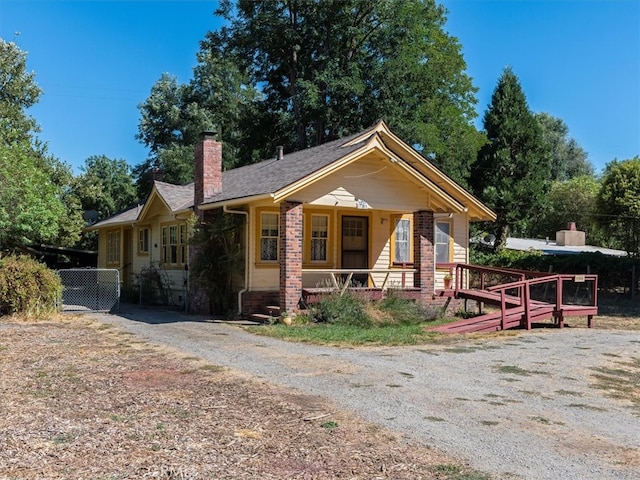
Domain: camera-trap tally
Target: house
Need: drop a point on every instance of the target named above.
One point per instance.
(366, 208)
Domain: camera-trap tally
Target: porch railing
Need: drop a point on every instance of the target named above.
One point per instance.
(462, 273)
(340, 278)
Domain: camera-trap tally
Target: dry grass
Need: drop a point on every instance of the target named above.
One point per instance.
(618, 312)
(83, 400)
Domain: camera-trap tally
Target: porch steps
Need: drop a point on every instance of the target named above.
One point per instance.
(268, 315)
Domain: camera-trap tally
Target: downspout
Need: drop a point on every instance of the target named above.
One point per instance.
(246, 253)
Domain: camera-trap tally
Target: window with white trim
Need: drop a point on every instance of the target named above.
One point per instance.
(402, 241)
(443, 242)
(143, 240)
(113, 247)
(319, 237)
(269, 237)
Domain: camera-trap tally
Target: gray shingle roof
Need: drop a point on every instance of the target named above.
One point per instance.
(269, 176)
(178, 197)
(127, 216)
(261, 178)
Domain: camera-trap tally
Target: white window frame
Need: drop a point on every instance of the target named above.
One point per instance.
(443, 240)
(319, 235)
(269, 234)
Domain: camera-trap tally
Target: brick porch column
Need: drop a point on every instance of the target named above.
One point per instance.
(290, 256)
(424, 252)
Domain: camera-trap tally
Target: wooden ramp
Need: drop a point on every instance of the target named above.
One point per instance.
(495, 321)
(517, 309)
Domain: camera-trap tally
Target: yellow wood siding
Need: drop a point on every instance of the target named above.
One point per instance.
(377, 182)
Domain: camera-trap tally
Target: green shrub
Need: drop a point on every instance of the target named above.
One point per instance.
(344, 309)
(406, 312)
(353, 310)
(28, 287)
(613, 272)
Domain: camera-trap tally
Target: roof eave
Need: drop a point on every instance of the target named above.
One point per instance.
(477, 210)
(235, 201)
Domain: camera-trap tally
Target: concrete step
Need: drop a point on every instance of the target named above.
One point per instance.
(263, 317)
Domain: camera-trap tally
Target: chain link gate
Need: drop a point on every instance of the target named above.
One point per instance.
(90, 289)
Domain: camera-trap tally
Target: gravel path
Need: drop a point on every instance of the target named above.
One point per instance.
(516, 407)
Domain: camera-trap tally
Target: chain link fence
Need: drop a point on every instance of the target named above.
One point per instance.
(90, 289)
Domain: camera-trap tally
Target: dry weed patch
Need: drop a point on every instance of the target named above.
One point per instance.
(80, 400)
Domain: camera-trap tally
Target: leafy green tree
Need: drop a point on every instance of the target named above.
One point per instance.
(583, 192)
(30, 207)
(217, 266)
(569, 159)
(105, 185)
(619, 204)
(172, 118)
(512, 171)
(300, 73)
(18, 92)
(34, 183)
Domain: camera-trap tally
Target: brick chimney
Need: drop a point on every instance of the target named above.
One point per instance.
(208, 168)
(157, 174)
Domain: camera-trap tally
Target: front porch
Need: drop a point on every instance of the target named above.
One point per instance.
(360, 256)
(376, 283)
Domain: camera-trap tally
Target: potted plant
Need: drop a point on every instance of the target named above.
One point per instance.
(447, 281)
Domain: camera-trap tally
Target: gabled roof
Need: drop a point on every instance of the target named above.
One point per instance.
(270, 176)
(279, 178)
(125, 217)
(276, 179)
(177, 197)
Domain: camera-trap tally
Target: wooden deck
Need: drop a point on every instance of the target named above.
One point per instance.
(517, 309)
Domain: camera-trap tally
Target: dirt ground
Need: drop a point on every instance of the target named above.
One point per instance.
(83, 400)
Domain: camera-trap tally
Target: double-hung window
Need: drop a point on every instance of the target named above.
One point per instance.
(174, 244)
(269, 235)
(443, 242)
(143, 241)
(319, 237)
(182, 258)
(402, 240)
(113, 247)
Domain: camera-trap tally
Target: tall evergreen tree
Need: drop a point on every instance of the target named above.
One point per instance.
(512, 173)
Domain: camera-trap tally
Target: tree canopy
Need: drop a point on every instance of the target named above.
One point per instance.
(512, 172)
(18, 92)
(30, 208)
(105, 185)
(37, 204)
(619, 203)
(300, 73)
(559, 212)
(568, 158)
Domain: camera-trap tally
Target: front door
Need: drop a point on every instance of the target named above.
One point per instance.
(355, 246)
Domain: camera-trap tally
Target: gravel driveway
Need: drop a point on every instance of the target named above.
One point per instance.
(516, 406)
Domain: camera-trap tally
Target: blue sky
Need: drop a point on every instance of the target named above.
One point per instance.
(578, 60)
